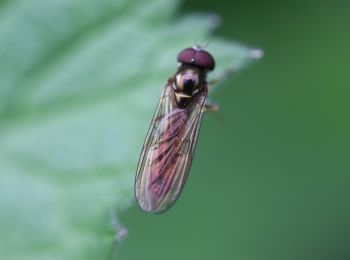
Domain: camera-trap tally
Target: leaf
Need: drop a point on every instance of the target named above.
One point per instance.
(79, 82)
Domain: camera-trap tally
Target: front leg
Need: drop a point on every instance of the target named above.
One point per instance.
(228, 73)
(212, 106)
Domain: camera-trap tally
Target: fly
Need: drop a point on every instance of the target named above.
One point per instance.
(169, 147)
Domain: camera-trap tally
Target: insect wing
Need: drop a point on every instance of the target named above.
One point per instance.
(167, 154)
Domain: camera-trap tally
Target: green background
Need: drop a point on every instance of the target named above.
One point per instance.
(270, 179)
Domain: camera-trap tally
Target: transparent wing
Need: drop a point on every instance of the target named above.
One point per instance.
(167, 154)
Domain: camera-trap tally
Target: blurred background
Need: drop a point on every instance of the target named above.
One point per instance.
(271, 179)
(79, 82)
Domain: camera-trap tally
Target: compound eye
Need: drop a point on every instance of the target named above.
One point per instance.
(197, 57)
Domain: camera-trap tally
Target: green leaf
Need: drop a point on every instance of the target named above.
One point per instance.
(79, 81)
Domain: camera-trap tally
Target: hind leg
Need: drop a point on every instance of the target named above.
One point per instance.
(212, 106)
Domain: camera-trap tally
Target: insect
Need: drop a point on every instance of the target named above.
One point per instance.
(169, 147)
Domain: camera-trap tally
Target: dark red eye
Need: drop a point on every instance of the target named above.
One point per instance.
(197, 57)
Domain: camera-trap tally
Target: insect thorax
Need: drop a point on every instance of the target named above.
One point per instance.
(188, 81)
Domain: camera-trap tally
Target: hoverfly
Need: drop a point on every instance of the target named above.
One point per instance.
(169, 147)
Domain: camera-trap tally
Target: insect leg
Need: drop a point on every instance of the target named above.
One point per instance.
(212, 107)
(228, 73)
